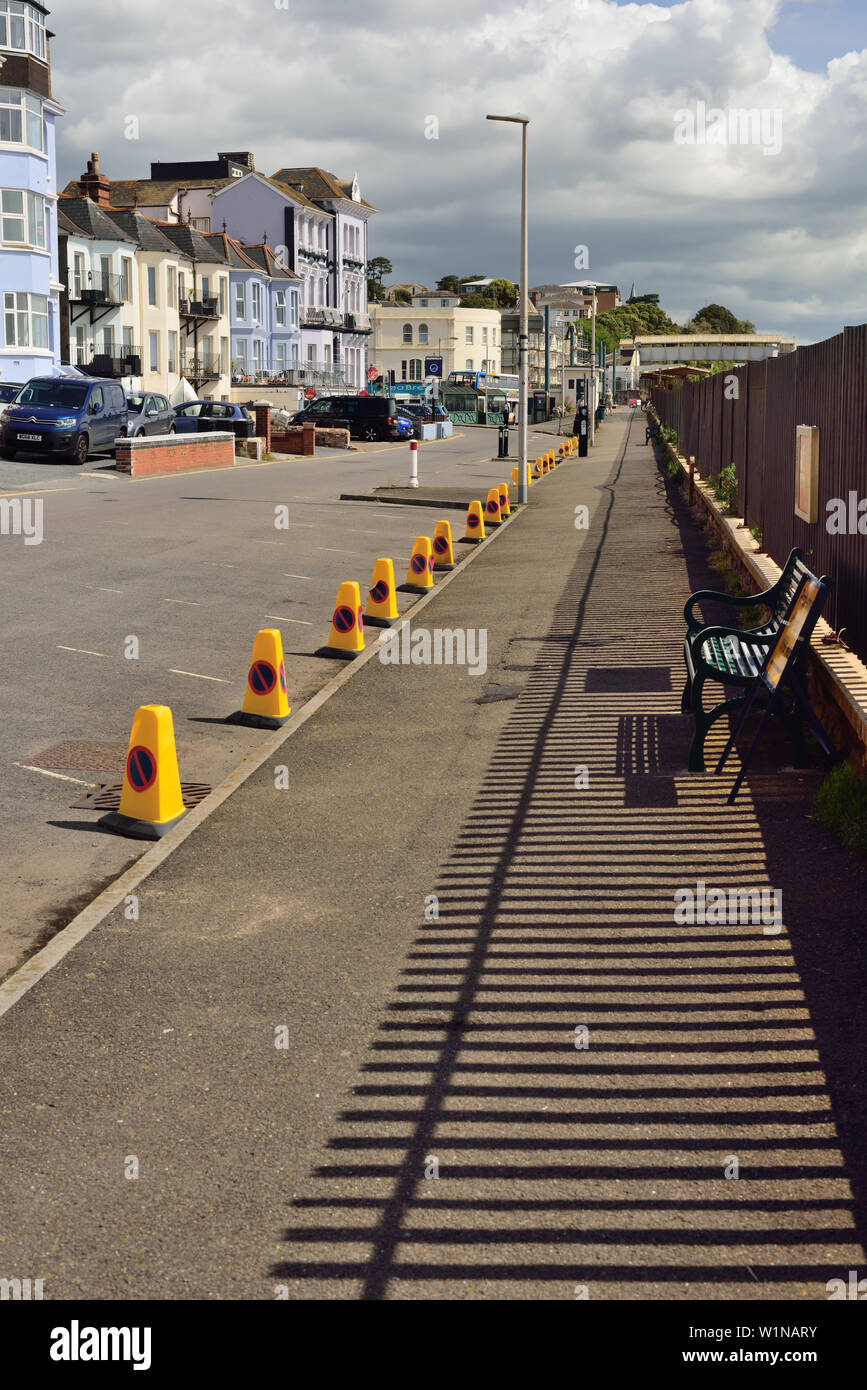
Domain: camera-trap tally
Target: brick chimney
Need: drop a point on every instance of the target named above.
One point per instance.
(95, 185)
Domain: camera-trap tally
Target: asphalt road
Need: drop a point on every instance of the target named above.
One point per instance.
(191, 567)
(430, 1129)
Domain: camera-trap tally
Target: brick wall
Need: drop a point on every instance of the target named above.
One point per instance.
(176, 453)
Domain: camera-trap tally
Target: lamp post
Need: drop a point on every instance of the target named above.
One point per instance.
(593, 372)
(523, 329)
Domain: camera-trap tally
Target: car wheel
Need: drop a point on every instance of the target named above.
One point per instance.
(7, 453)
(81, 450)
(369, 433)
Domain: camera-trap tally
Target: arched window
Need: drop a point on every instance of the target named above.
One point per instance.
(407, 332)
(422, 332)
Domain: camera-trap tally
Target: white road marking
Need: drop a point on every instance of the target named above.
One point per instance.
(100, 589)
(332, 551)
(82, 651)
(61, 776)
(277, 619)
(191, 601)
(286, 575)
(221, 565)
(175, 672)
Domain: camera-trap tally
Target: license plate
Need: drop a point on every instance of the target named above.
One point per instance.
(35, 438)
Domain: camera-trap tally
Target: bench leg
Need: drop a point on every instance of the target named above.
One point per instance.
(701, 724)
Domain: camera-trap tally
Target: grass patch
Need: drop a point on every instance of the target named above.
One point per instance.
(748, 616)
(673, 472)
(725, 485)
(841, 805)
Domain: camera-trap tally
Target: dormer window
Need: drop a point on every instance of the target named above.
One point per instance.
(22, 28)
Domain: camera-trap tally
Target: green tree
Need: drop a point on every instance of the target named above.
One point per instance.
(402, 296)
(378, 268)
(451, 283)
(503, 293)
(716, 318)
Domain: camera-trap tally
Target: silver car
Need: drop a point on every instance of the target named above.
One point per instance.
(150, 413)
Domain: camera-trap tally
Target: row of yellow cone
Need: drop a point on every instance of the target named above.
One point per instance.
(151, 801)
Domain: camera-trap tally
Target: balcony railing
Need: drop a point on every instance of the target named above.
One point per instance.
(198, 309)
(199, 368)
(102, 288)
(114, 359)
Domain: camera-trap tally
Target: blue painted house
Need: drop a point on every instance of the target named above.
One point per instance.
(29, 281)
(263, 311)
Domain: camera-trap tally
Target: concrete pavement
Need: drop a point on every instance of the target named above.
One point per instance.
(431, 1129)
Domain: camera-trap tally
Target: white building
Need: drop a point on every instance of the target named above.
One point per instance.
(405, 335)
(98, 263)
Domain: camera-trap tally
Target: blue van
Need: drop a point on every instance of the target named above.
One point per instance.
(64, 415)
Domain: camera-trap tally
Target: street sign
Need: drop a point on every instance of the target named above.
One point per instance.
(433, 366)
(372, 373)
(309, 393)
(407, 388)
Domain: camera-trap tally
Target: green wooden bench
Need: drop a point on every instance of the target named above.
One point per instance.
(652, 430)
(777, 599)
(733, 657)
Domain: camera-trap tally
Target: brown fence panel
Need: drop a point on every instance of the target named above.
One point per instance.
(848, 553)
(779, 471)
(755, 466)
(739, 452)
(726, 405)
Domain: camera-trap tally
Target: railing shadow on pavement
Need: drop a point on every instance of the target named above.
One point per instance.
(485, 1148)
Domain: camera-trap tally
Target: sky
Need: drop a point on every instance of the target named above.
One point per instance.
(637, 152)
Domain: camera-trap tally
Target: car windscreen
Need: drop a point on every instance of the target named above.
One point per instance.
(59, 395)
(135, 403)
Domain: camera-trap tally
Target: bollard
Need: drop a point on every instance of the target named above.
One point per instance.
(413, 463)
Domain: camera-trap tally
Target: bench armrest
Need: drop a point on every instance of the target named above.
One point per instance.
(744, 600)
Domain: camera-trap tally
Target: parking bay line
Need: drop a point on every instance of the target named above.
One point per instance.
(286, 575)
(191, 601)
(61, 776)
(82, 651)
(275, 617)
(197, 676)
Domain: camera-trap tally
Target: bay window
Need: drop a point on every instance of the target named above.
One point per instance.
(20, 118)
(25, 320)
(23, 218)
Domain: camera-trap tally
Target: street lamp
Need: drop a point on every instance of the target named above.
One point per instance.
(523, 333)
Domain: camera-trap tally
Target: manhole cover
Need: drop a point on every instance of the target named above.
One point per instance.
(107, 796)
(77, 756)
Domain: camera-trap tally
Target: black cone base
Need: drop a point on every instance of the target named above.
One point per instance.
(258, 721)
(138, 829)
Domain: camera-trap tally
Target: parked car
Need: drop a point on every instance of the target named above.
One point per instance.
(59, 415)
(366, 417)
(9, 390)
(204, 417)
(150, 414)
(424, 411)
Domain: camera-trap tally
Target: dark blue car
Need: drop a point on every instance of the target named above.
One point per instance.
(204, 417)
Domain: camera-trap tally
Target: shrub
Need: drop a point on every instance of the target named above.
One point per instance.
(841, 805)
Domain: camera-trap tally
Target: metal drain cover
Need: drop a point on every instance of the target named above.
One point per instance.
(107, 796)
(78, 756)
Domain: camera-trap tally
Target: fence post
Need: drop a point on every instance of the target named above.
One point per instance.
(691, 479)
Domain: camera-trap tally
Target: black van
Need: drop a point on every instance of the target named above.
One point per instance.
(366, 417)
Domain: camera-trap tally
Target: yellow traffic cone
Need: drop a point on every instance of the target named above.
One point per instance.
(444, 555)
(505, 509)
(346, 638)
(492, 508)
(265, 702)
(151, 802)
(538, 470)
(514, 475)
(475, 531)
(419, 576)
(381, 609)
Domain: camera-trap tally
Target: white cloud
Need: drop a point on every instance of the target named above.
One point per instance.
(349, 87)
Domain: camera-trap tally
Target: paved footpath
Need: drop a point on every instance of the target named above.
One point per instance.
(432, 1130)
